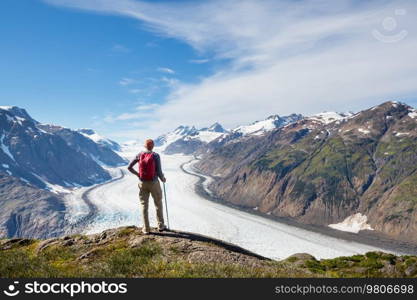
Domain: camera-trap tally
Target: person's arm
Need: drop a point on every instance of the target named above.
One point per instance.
(132, 164)
(159, 168)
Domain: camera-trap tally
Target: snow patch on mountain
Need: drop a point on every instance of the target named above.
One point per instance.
(18, 113)
(402, 133)
(182, 131)
(204, 136)
(62, 144)
(413, 113)
(329, 117)
(364, 131)
(190, 133)
(54, 188)
(98, 139)
(261, 127)
(5, 148)
(91, 134)
(256, 128)
(353, 223)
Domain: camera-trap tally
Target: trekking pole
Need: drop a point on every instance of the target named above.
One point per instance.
(166, 205)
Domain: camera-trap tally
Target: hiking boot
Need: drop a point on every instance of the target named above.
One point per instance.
(163, 228)
(145, 231)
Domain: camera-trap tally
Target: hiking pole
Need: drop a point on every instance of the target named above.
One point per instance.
(166, 205)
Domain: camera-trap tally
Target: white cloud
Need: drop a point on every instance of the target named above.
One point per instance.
(120, 49)
(135, 91)
(199, 61)
(170, 82)
(147, 107)
(127, 81)
(166, 70)
(280, 56)
(142, 111)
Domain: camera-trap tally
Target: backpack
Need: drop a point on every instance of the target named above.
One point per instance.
(147, 166)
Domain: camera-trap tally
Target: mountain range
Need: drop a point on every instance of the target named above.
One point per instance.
(187, 140)
(325, 169)
(330, 169)
(40, 161)
(349, 171)
(190, 140)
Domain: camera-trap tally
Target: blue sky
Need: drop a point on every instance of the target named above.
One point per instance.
(132, 69)
(75, 68)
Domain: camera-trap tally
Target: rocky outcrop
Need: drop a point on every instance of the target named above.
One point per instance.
(321, 172)
(126, 252)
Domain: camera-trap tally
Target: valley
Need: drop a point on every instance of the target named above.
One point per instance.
(117, 205)
(333, 183)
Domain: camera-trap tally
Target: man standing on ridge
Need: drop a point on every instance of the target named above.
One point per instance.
(149, 171)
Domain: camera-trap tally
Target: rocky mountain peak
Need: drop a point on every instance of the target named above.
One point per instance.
(393, 108)
(216, 127)
(87, 131)
(328, 117)
(17, 112)
(184, 130)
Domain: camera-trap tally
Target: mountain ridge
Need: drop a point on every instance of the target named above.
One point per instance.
(190, 140)
(323, 172)
(38, 164)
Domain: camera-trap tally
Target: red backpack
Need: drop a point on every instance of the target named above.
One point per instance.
(147, 166)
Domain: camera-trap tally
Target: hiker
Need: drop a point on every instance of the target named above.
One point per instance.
(149, 172)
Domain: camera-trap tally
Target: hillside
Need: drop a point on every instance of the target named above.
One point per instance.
(126, 252)
(324, 169)
(38, 163)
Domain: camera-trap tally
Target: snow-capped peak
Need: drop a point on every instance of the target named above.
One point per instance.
(412, 113)
(188, 133)
(98, 139)
(91, 134)
(256, 128)
(185, 130)
(329, 117)
(19, 113)
(272, 122)
(216, 127)
(87, 131)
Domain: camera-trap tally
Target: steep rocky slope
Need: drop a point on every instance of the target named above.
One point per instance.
(40, 157)
(244, 132)
(323, 170)
(37, 162)
(98, 139)
(101, 151)
(28, 211)
(126, 252)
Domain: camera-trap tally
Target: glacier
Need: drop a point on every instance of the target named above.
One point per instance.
(118, 205)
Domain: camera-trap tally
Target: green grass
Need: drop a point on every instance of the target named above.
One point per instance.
(369, 265)
(110, 261)
(155, 259)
